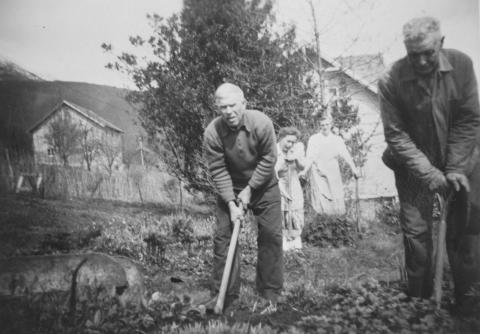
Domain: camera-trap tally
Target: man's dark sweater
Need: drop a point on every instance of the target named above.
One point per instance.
(242, 156)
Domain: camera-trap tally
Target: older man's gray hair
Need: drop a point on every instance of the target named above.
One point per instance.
(227, 89)
(417, 29)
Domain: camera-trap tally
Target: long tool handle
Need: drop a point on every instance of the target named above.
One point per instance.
(228, 268)
(357, 206)
(440, 255)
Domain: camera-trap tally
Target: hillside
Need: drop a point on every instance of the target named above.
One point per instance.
(25, 102)
(11, 71)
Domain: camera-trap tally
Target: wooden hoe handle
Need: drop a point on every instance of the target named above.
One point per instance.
(440, 255)
(228, 268)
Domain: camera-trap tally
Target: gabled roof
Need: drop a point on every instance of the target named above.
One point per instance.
(338, 64)
(367, 67)
(90, 115)
(363, 75)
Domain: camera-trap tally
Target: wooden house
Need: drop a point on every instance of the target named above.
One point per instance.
(98, 138)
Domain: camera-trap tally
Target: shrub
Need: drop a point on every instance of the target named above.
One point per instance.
(324, 230)
(182, 230)
(389, 214)
(156, 246)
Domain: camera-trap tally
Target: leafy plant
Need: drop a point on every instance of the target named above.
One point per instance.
(182, 231)
(344, 114)
(389, 214)
(359, 147)
(328, 230)
(345, 118)
(156, 247)
(371, 307)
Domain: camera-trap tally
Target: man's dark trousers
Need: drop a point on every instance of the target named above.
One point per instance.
(463, 242)
(265, 205)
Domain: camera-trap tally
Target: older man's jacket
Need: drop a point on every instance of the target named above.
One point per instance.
(431, 127)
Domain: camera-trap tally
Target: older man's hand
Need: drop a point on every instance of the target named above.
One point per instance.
(245, 196)
(458, 180)
(236, 212)
(438, 182)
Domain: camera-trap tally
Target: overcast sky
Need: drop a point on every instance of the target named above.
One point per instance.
(60, 39)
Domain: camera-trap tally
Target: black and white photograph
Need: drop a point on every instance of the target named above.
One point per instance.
(239, 166)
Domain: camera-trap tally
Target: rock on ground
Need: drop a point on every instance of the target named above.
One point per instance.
(25, 275)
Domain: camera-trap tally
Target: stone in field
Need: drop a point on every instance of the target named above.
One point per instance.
(27, 275)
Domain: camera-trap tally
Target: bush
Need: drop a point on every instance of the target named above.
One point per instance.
(324, 230)
(389, 214)
(156, 246)
(182, 230)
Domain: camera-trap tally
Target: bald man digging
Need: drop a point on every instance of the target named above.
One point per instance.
(241, 154)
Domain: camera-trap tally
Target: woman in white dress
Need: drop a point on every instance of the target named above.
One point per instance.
(290, 161)
(326, 187)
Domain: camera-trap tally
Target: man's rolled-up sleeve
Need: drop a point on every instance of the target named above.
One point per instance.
(404, 150)
(465, 125)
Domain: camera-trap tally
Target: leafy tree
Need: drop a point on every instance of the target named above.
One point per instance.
(89, 147)
(64, 136)
(358, 144)
(345, 118)
(212, 42)
(344, 114)
(110, 155)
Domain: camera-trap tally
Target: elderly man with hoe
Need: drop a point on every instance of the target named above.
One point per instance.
(430, 112)
(241, 153)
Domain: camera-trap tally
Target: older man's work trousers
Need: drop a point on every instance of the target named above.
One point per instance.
(463, 242)
(265, 205)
